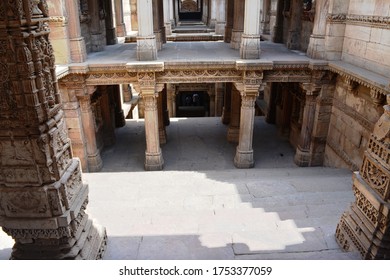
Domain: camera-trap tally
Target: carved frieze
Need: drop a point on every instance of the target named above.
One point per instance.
(111, 78)
(376, 176)
(199, 76)
(286, 75)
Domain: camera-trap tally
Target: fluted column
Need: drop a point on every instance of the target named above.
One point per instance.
(244, 151)
(120, 25)
(146, 40)
(43, 197)
(94, 160)
(250, 41)
(303, 153)
(235, 110)
(238, 23)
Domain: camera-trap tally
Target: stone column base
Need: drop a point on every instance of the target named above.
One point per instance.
(159, 40)
(121, 30)
(302, 157)
(168, 28)
(153, 161)
(146, 48)
(316, 47)
(97, 44)
(95, 162)
(235, 40)
(89, 243)
(78, 52)
(250, 47)
(111, 36)
(233, 134)
(244, 159)
(228, 34)
(220, 28)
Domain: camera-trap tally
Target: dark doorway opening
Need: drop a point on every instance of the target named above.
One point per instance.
(190, 10)
(192, 104)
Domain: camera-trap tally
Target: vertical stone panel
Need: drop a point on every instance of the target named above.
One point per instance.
(42, 196)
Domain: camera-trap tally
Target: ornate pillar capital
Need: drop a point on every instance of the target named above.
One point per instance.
(311, 89)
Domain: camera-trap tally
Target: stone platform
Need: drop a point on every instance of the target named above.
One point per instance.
(201, 207)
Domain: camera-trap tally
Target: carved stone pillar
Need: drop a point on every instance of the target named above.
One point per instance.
(146, 40)
(219, 93)
(316, 48)
(108, 116)
(220, 17)
(277, 34)
(335, 29)
(229, 20)
(156, 24)
(244, 151)
(250, 41)
(70, 88)
(266, 17)
(59, 37)
(111, 37)
(171, 95)
(212, 13)
(78, 51)
(238, 24)
(212, 104)
(235, 110)
(97, 38)
(172, 14)
(227, 101)
(364, 227)
(42, 195)
(153, 156)
(167, 18)
(160, 107)
(304, 154)
(120, 25)
(294, 31)
(119, 114)
(95, 162)
(134, 15)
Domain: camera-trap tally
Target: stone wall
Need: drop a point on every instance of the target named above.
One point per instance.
(367, 35)
(353, 118)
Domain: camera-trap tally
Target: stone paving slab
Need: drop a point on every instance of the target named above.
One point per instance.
(212, 210)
